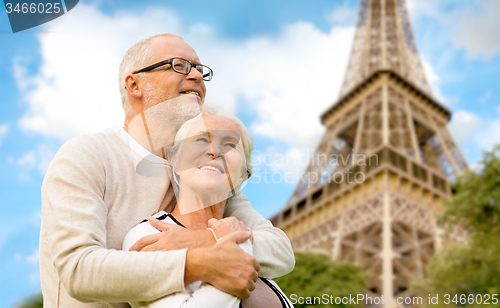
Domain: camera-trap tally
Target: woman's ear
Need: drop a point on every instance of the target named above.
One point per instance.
(245, 174)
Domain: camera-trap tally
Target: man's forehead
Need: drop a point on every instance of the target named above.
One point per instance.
(170, 46)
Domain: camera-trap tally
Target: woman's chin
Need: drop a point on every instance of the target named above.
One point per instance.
(210, 189)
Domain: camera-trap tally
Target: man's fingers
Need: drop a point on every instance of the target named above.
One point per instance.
(213, 223)
(251, 237)
(239, 236)
(244, 294)
(160, 225)
(145, 241)
(251, 285)
(151, 247)
(256, 265)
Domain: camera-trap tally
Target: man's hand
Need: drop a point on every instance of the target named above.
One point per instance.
(227, 225)
(225, 265)
(173, 237)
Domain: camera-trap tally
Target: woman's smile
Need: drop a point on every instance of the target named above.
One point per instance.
(212, 167)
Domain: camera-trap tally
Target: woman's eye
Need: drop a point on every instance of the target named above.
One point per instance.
(230, 144)
(201, 139)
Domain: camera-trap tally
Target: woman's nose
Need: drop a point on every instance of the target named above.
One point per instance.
(214, 151)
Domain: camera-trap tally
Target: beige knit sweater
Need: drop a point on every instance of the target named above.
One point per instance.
(91, 197)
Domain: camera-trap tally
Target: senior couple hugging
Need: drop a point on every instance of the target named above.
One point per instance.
(151, 214)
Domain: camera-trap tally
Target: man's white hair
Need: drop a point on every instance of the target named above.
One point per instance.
(138, 56)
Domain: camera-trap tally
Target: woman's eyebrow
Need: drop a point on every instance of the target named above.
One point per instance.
(230, 138)
(200, 134)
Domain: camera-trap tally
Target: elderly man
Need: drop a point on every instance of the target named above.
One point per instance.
(92, 196)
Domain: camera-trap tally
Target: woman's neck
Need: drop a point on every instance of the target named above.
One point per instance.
(192, 210)
(199, 219)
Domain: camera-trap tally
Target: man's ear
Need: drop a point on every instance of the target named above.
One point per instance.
(132, 86)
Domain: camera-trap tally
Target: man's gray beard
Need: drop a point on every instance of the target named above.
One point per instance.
(164, 117)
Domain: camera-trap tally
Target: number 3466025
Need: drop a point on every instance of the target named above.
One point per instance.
(26, 8)
(471, 299)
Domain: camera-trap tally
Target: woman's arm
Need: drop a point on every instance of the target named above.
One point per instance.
(194, 296)
(271, 246)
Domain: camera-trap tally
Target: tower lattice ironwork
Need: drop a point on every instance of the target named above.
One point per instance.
(384, 165)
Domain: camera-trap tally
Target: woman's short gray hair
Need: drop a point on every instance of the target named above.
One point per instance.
(138, 56)
(246, 137)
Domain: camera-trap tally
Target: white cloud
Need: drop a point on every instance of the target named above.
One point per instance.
(486, 96)
(75, 90)
(33, 258)
(434, 81)
(9, 227)
(18, 257)
(32, 262)
(28, 160)
(343, 15)
(473, 25)
(490, 137)
(419, 8)
(4, 129)
(476, 30)
(464, 125)
(430, 73)
(39, 158)
(291, 161)
(288, 80)
(467, 127)
(45, 155)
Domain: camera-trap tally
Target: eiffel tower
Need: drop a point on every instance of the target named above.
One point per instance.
(384, 165)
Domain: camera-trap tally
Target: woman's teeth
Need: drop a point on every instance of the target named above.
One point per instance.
(207, 167)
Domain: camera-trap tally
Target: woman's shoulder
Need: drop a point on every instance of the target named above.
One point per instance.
(145, 228)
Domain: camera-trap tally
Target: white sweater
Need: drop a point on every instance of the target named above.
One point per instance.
(91, 197)
(196, 294)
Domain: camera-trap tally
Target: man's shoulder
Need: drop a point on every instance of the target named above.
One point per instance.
(94, 142)
(94, 148)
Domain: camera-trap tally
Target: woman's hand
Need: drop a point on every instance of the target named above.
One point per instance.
(225, 266)
(227, 226)
(173, 237)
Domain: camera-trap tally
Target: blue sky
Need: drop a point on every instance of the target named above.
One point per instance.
(58, 81)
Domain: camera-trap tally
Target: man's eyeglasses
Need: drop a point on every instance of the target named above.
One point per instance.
(181, 66)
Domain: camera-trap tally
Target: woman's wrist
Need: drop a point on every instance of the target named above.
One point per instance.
(213, 232)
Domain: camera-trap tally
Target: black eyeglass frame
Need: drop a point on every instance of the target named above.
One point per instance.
(169, 61)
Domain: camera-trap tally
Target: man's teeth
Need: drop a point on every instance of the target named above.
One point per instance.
(207, 167)
(192, 92)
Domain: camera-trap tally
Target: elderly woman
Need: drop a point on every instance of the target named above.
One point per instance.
(210, 160)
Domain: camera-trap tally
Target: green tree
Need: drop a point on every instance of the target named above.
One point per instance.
(470, 269)
(32, 302)
(317, 274)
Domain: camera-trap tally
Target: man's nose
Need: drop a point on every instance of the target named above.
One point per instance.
(194, 74)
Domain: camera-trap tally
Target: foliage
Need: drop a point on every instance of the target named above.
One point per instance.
(476, 203)
(472, 268)
(317, 274)
(33, 302)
